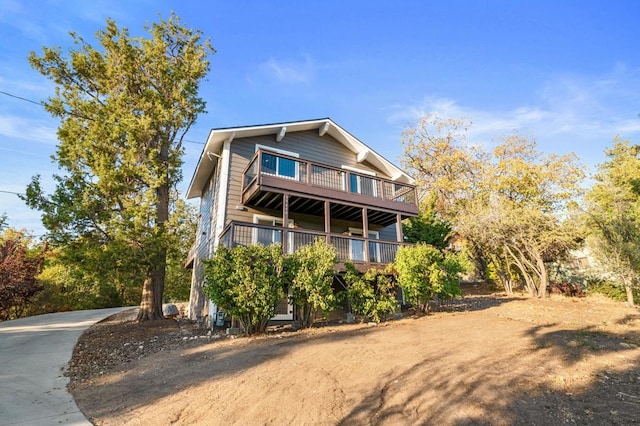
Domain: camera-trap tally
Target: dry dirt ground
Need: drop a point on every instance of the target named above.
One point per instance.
(488, 359)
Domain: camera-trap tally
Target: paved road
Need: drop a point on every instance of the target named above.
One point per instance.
(34, 352)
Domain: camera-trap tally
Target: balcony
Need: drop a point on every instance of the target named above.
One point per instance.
(356, 249)
(270, 174)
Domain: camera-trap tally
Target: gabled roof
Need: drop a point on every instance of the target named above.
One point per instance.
(217, 137)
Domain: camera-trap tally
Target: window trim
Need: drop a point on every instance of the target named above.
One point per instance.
(361, 171)
(276, 150)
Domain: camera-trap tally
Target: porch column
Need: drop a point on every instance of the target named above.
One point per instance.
(399, 236)
(365, 233)
(285, 222)
(327, 220)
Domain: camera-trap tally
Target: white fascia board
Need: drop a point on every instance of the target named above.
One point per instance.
(225, 163)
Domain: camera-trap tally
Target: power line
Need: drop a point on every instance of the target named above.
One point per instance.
(42, 105)
(21, 98)
(11, 192)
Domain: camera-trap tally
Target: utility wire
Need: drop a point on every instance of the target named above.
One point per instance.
(2, 92)
(10, 192)
(21, 98)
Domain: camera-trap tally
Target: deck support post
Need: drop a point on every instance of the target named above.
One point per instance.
(327, 220)
(365, 233)
(285, 223)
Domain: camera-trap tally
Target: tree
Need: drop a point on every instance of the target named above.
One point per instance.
(20, 264)
(508, 203)
(437, 155)
(311, 272)
(613, 214)
(247, 282)
(124, 109)
(428, 227)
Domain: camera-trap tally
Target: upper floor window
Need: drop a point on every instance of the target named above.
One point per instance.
(363, 185)
(282, 167)
(279, 166)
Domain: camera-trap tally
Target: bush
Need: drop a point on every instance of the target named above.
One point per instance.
(20, 265)
(424, 272)
(246, 282)
(372, 295)
(610, 289)
(311, 275)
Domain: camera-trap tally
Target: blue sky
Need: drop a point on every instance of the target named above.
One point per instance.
(565, 72)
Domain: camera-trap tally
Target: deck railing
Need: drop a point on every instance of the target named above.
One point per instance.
(324, 176)
(356, 249)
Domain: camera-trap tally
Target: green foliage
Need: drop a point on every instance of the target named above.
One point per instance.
(68, 288)
(424, 272)
(178, 280)
(311, 273)
(613, 215)
(124, 108)
(507, 203)
(246, 282)
(428, 227)
(611, 289)
(372, 295)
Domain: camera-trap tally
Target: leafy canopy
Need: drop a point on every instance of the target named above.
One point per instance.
(613, 214)
(20, 264)
(508, 203)
(124, 108)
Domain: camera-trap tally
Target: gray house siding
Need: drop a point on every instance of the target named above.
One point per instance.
(308, 145)
(197, 300)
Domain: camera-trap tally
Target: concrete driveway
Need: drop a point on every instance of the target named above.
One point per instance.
(34, 352)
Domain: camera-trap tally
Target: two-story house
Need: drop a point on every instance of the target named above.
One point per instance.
(291, 183)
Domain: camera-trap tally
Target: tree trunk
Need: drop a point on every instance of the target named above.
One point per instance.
(153, 289)
(151, 303)
(542, 272)
(629, 290)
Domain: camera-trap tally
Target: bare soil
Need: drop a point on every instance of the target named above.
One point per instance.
(486, 359)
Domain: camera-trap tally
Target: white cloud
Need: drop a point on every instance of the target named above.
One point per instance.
(288, 71)
(568, 113)
(26, 129)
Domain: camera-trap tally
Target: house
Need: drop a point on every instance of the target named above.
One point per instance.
(291, 183)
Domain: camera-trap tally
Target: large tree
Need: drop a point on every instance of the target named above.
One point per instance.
(124, 108)
(613, 213)
(507, 202)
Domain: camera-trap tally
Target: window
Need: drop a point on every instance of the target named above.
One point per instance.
(283, 167)
(363, 185)
(267, 236)
(357, 246)
(278, 166)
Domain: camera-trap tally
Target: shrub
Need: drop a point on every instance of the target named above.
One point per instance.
(610, 289)
(372, 295)
(19, 266)
(311, 274)
(246, 282)
(424, 272)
